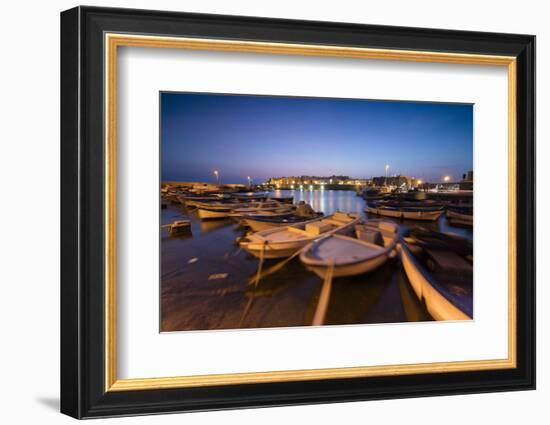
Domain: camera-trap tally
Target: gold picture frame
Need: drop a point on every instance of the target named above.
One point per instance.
(114, 41)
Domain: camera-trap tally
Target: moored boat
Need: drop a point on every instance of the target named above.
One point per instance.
(461, 215)
(254, 196)
(374, 194)
(214, 210)
(258, 207)
(283, 199)
(285, 241)
(180, 227)
(340, 255)
(427, 214)
(408, 211)
(440, 270)
(192, 201)
(262, 222)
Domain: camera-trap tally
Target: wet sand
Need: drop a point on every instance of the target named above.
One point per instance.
(194, 298)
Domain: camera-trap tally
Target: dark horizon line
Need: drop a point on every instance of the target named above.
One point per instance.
(287, 96)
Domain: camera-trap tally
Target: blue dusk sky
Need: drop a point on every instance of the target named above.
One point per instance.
(274, 136)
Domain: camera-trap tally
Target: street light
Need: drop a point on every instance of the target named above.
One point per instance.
(387, 167)
(248, 177)
(446, 178)
(217, 176)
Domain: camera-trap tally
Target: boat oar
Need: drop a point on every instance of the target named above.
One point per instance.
(324, 297)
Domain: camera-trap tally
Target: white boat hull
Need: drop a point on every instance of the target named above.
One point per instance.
(459, 218)
(422, 215)
(272, 252)
(342, 256)
(386, 213)
(437, 305)
(212, 214)
(407, 215)
(260, 246)
(258, 226)
(352, 269)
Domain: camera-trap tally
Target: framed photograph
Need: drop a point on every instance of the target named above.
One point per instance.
(261, 212)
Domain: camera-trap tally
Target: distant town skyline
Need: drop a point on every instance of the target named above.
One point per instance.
(253, 138)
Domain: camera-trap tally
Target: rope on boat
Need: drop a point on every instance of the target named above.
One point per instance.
(260, 265)
(256, 281)
(280, 265)
(274, 268)
(324, 297)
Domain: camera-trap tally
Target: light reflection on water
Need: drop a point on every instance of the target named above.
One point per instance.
(327, 201)
(192, 300)
(330, 201)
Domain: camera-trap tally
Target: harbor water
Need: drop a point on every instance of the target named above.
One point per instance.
(205, 277)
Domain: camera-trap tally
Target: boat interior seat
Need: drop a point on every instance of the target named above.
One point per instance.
(299, 231)
(388, 227)
(341, 217)
(372, 236)
(449, 261)
(333, 222)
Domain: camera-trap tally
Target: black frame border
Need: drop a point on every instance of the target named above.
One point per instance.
(82, 205)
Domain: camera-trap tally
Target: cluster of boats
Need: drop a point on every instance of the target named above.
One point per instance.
(460, 215)
(425, 210)
(439, 266)
(253, 210)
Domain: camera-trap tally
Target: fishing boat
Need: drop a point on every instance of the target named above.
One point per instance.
(285, 241)
(426, 214)
(440, 270)
(374, 194)
(254, 196)
(243, 217)
(208, 211)
(180, 227)
(261, 207)
(283, 199)
(406, 211)
(463, 216)
(262, 222)
(340, 255)
(191, 201)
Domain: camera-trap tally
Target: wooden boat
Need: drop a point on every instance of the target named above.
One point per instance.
(439, 269)
(262, 222)
(283, 199)
(258, 207)
(180, 227)
(463, 216)
(191, 201)
(254, 196)
(285, 241)
(374, 194)
(340, 255)
(426, 213)
(210, 211)
(222, 203)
